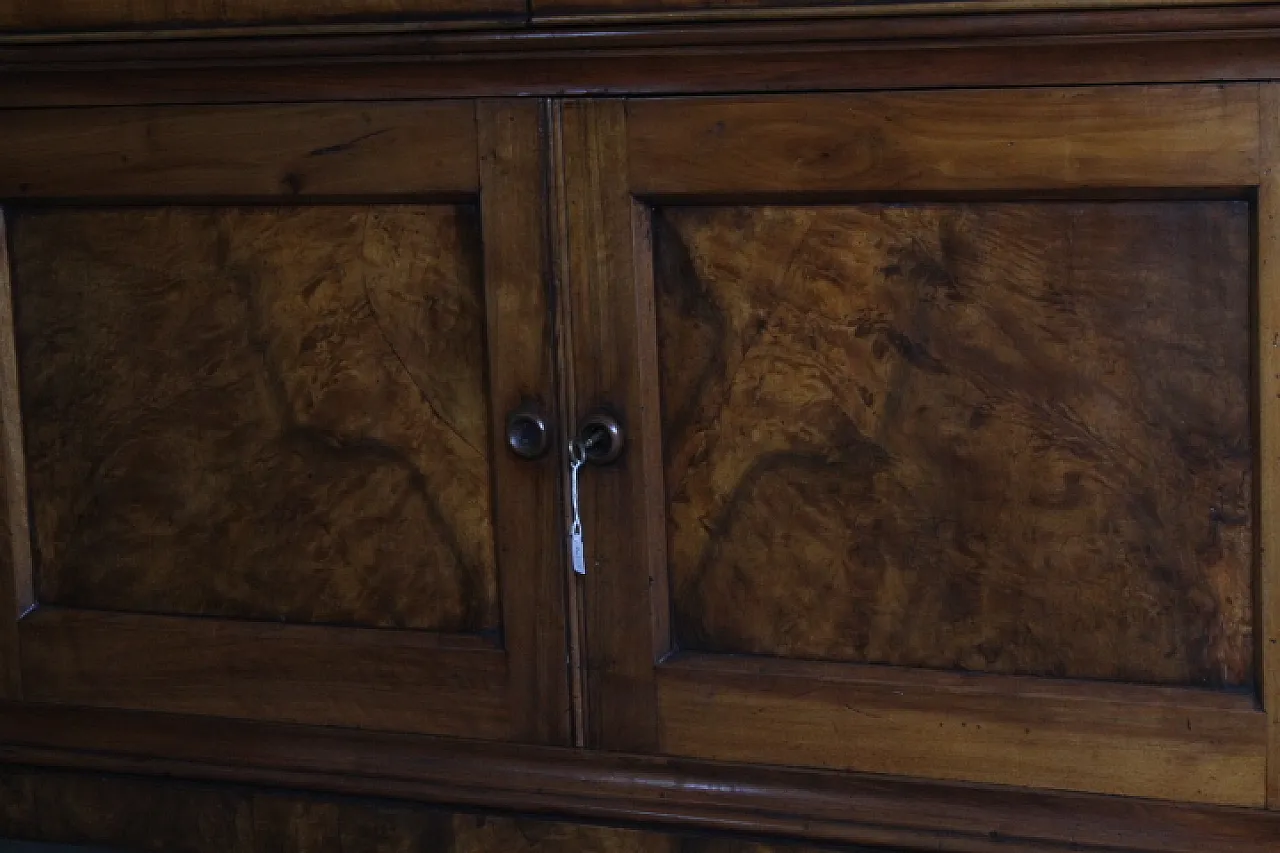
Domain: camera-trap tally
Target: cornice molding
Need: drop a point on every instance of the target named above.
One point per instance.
(576, 13)
(568, 36)
(617, 64)
(1142, 46)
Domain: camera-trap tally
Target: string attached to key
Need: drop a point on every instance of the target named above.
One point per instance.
(577, 458)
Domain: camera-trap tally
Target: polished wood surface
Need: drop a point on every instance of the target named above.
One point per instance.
(306, 150)
(265, 439)
(61, 21)
(518, 304)
(977, 141)
(75, 15)
(10, 610)
(1268, 308)
(558, 240)
(1183, 745)
(145, 816)
(604, 11)
(611, 362)
(1146, 23)
(849, 808)
(380, 680)
(259, 412)
(590, 61)
(1120, 396)
(16, 593)
(672, 58)
(1009, 438)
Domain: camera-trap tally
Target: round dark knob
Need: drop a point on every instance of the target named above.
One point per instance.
(601, 438)
(527, 433)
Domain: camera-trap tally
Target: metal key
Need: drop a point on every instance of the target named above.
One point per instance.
(577, 458)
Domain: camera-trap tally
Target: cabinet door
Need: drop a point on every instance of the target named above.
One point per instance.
(256, 378)
(944, 449)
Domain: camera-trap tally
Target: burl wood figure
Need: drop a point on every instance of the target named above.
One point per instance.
(266, 413)
(999, 437)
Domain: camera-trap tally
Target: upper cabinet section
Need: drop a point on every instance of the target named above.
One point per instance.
(21, 16)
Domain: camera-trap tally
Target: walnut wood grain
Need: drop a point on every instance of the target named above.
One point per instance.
(558, 237)
(672, 11)
(873, 28)
(518, 305)
(366, 42)
(1160, 54)
(1019, 139)
(266, 413)
(1008, 438)
(202, 18)
(316, 675)
(30, 15)
(1165, 743)
(304, 150)
(148, 815)
(1268, 213)
(16, 592)
(10, 655)
(883, 811)
(610, 341)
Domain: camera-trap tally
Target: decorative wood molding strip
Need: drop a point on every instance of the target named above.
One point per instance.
(140, 661)
(574, 34)
(1196, 746)
(583, 11)
(970, 141)
(859, 809)
(151, 22)
(96, 19)
(16, 593)
(241, 151)
(583, 62)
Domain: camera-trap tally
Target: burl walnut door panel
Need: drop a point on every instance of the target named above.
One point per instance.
(946, 456)
(291, 399)
(1002, 437)
(265, 468)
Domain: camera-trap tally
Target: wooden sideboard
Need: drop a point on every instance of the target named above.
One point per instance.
(941, 340)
